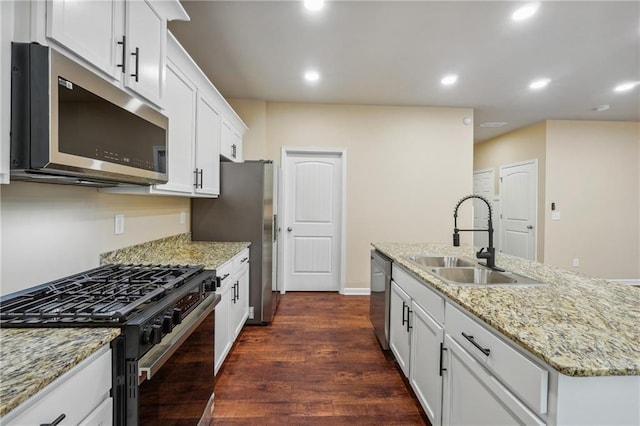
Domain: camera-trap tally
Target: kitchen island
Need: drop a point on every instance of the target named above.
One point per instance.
(582, 333)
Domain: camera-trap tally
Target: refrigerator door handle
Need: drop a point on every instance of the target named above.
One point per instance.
(275, 228)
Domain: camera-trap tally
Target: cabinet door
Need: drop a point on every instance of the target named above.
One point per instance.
(240, 307)
(472, 396)
(222, 338)
(399, 326)
(208, 123)
(426, 339)
(90, 29)
(180, 108)
(231, 143)
(146, 45)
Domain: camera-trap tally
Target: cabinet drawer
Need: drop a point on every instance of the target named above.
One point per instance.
(75, 394)
(240, 260)
(225, 272)
(526, 379)
(428, 299)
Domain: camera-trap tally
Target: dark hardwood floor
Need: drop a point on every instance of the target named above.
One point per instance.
(318, 363)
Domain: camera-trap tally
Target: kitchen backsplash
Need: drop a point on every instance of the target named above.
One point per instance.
(51, 231)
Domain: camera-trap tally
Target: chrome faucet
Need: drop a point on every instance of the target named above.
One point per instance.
(490, 253)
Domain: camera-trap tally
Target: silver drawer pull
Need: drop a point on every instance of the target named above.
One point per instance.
(474, 343)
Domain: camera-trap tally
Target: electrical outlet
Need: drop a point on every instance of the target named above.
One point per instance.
(118, 224)
(576, 262)
(555, 215)
(250, 312)
(183, 218)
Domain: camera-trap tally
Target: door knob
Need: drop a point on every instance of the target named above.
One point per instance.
(289, 229)
(529, 226)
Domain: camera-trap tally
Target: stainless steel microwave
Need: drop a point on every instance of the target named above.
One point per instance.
(69, 125)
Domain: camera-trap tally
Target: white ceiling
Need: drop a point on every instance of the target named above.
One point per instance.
(396, 52)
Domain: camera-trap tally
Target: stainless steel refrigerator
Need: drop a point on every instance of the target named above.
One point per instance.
(246, 211)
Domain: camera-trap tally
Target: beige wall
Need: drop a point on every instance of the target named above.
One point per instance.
(407, 167)
(520, 145)
(51, 231)
(593, 176)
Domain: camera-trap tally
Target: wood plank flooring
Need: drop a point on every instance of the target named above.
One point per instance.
(318, 363)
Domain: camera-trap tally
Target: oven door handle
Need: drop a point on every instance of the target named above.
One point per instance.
(153, 360)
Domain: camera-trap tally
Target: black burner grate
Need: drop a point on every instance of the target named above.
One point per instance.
(110, 293)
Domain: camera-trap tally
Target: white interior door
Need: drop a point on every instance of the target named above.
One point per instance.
(313, 221)
(483, 184)
(519, 195)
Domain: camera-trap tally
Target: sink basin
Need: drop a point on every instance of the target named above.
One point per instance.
(440, 261)
(482, 277)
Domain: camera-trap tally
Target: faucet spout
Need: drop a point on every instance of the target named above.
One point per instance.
(488, 253)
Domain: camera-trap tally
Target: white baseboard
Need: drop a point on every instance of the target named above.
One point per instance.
(633, 281)
(356, 291)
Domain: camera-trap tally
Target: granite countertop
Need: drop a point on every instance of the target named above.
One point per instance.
(32, 358)
(579, 325)
(178, 249)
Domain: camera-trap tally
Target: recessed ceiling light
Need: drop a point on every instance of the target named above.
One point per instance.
(448, 80)
(312, 76)
(601, 108)
(525, 12)
(314, 5)
(625, 87)
(493, 124)
(540, 83)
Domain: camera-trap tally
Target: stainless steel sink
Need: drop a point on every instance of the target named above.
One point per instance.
(479, 276)
(440, 261)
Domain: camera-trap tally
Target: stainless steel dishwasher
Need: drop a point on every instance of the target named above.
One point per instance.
(380, 296)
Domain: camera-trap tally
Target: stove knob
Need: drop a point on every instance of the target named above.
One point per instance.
(167, 324)
(209, 284)
(151, 335)
(156, 334)
(177, 316)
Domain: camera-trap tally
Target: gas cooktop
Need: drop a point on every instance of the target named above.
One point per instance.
(108, 294)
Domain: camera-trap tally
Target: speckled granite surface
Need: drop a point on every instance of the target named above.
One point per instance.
(581, 326)
(178, 249)
(32, 358)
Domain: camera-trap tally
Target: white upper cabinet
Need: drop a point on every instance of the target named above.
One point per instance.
(180, 104)
(231, 144)
(196, 113)
(146, 32)
(92, 30)
(207, 147)
(124, 39)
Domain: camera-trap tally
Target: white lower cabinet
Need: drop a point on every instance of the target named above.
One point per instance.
(415, 338)
(222, 339)
(399, 331)
(81, 395)
(426, 362)
(233, 310)
(472, 396)
(240, 301)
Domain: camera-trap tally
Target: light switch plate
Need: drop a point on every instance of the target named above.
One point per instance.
(183, 218)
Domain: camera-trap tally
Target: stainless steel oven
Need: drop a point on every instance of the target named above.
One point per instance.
(380, 296)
